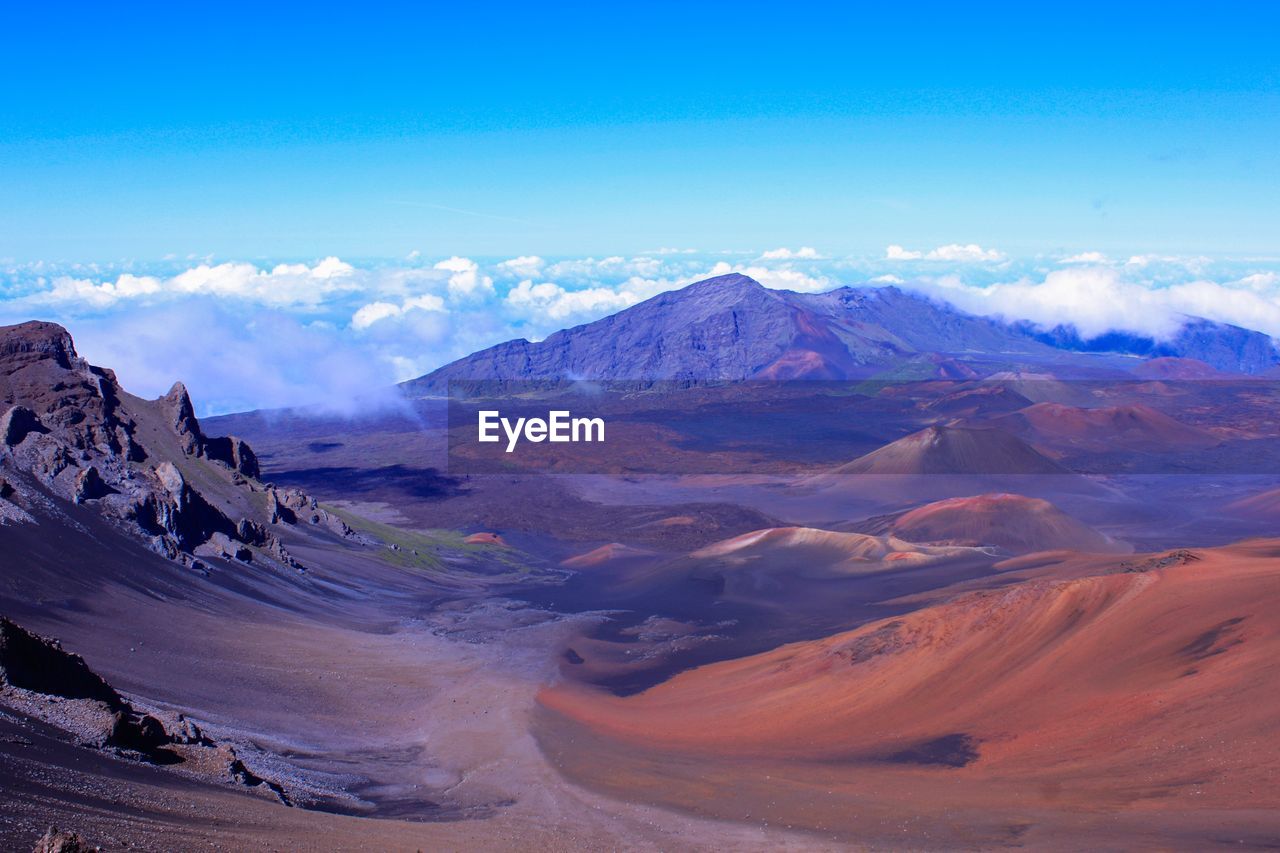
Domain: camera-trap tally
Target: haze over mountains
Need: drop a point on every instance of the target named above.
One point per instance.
(732, 328)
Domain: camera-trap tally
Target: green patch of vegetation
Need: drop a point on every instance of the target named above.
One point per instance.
(443, 555)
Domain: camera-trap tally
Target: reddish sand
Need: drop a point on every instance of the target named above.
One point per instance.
(1132, 427)
(799, 364)
(1264, 505)
(1178, 368)
(1152, 691)
(610, 553)
(485, 539)
(1013, 522)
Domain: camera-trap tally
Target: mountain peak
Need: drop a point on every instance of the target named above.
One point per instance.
(36, 340)
(733, 281)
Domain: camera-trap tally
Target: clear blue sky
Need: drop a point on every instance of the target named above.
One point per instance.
(370, 130)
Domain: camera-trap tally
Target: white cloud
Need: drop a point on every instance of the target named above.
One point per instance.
(1146, 260)
(269, 359)
(596, 271)
(465, 279)
(1100, 299)
(953, 252)
(783, 278)
(407, 318)
(550, 301)
(283, 285)
(99, 295)
(1260, 281)
(897, 253)
(1225, 304)
(1096, 300)
(525, 266)
(804, 253)
(375, 312)
(1085, 258)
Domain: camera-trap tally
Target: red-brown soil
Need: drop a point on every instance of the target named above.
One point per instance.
(1012, 522)
(1149, 693)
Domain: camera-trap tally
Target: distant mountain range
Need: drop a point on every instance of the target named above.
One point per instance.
(731, 327)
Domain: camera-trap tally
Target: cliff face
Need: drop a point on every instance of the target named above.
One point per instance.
(69, 431)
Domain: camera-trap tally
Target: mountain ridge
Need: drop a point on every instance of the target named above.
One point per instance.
(731, 327)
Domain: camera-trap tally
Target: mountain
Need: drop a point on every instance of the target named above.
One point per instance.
(1129, 427)
(1016, 523)
(952, 450)
(731, 327)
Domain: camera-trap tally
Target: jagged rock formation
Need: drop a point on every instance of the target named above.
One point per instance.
(68, 429)
(40, 665)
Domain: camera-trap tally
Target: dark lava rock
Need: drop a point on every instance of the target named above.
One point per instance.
(89, 486)
(138, 732)
(41, 665)
(62, 841)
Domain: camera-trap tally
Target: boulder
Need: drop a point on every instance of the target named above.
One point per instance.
(57, 840)
(187, 732)
(222, 545)
(137, 732)
(89, 486)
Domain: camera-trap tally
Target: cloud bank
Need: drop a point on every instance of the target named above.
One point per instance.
(333, 332)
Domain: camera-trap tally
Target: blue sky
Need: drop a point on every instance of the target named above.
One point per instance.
(332, 198)
(371, 130)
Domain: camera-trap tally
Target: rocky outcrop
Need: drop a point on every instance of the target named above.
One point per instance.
(235, 453)
(57, 840)
(41, 665)
(89, 485)
(182, 418)
(145, 465)
(293, 506)
(43, 680)
(229, 450)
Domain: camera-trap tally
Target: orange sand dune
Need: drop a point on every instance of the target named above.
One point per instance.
(1155, 687)
(1013, 522)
